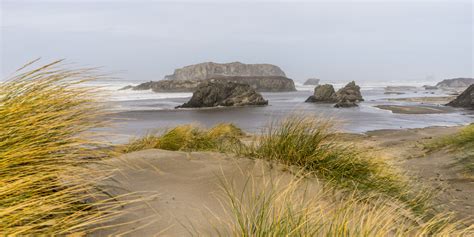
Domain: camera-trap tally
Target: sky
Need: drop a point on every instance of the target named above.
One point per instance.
(339, 40)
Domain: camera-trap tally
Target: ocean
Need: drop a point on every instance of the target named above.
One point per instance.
(136, 113)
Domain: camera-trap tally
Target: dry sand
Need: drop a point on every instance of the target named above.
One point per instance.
(438, 170)
(188, 187)
(184, 190)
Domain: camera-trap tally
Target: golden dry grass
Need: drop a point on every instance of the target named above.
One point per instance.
(312, 143)
(188, 138)
(47, 185)
(269, 207)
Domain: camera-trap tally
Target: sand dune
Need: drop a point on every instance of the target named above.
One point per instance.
(187, 187)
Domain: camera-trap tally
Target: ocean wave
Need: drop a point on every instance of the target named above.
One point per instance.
(114, 94)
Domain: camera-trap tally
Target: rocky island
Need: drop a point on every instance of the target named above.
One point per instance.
(261, 77)
(311, 82)
(213, 94)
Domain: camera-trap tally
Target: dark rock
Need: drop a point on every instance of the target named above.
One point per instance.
(345, 104)
(323, 94)
(465, 99)
(259, 83)
(144, 86)
(428, 87)
(393, 93)
(212, 94)
(455, 83)
(349, 93)
(169, 86)
(311, 82)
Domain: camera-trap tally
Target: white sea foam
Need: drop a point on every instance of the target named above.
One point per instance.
(365, 85)
(114, 94)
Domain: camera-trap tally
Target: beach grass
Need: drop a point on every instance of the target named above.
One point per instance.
(462, 139)
(312, 143)
(274, 208)
(188, 137)
(308, 142)
(47, 185)
(462, 143)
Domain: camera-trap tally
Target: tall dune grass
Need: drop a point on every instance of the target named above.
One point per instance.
(312, 143)
(274, 208)
(303, 141)
(463, 143)
(46, 183)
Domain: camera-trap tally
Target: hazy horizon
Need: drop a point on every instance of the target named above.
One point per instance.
(336, 41)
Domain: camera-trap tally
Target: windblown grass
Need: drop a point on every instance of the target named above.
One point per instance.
(312, 143)
(463, 139)
(188, 138)
(294, 209)
(463, 144)
(46, 184)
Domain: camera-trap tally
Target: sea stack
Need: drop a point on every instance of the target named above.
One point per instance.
(348, 96)
(213, 94)
(465, 99)
(323, 94)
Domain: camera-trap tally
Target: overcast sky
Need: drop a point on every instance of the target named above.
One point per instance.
(332, 40)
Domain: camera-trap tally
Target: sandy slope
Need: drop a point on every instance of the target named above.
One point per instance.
(188, 188)
(188, 184)
(438, 170)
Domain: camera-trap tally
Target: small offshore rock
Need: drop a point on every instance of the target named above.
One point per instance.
(311, 82)
(323, 94)
(349, 96)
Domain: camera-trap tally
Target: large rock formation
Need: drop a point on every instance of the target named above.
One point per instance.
(323, 94)
(208, 70)
(212, 94)
(259, 83)
(261, 77)
(311, 82)
(465, 99)
(455, 83)
(348, 96)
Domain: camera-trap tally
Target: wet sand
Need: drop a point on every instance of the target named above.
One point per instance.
(417, 109)
(431, 100)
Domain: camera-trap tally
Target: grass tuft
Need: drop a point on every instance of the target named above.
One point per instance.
(462, 139)
(188, 138)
